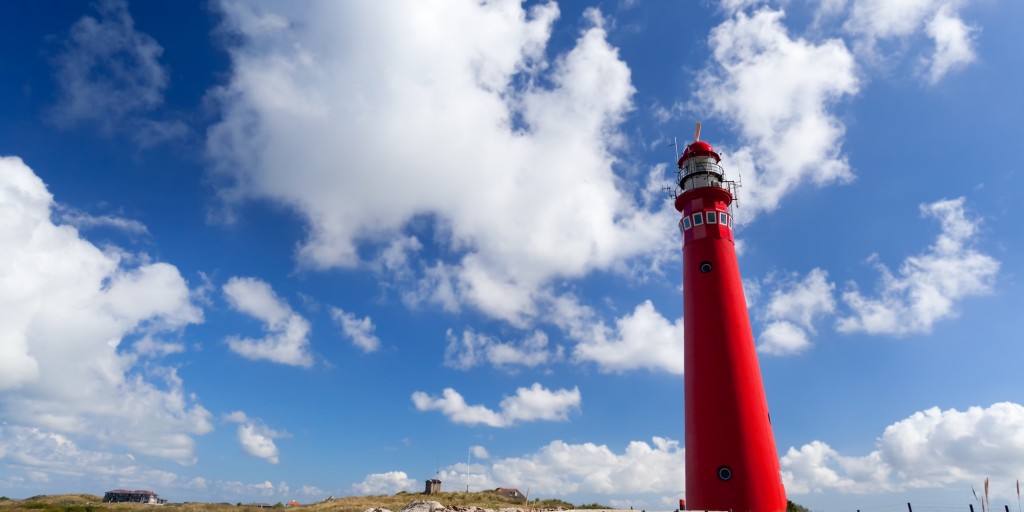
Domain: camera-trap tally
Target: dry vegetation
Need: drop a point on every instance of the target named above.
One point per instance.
(91, 503)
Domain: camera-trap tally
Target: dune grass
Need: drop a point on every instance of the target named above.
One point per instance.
(93, 503)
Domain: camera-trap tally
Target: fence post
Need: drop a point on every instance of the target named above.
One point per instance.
(908, 507)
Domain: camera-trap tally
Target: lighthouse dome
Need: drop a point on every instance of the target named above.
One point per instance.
(698, 148)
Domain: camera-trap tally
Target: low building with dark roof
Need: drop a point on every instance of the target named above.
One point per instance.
(433, 486)
(512, 493)
(136, 496)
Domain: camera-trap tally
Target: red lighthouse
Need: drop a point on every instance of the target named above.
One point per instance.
(731, 462)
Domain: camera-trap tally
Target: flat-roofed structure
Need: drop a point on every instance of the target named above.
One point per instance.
(137, 496)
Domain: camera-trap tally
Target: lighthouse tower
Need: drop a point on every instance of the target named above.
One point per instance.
(731, 462)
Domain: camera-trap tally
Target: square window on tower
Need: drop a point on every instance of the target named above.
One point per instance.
(723, 218)
(712, 217)
(730, 222)
(686, 223)
(698, 219)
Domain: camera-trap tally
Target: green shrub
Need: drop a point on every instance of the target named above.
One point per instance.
(793, 507)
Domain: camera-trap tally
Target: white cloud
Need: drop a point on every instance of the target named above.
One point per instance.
(560, 468)
(395, 258)
(641, 340)
(376, 484)
(802, 301)
(479, 452)
(505, 154)
(816, 467)
(33, 460)
(264, 488)
(528, 404)
(286, 341)
(50, 452)
(953, 44)
(888, 18)
(312, 491)
(930, 449)
(82, 220)
(110, 75)
(791, 312)
(732, 6)
(150, 347)
(472, 349)
(927, 286)
(65, 309)
(783, 338)
(359, 330)
(258, 443)
(777, 90)
(880, 20)
(827, 10)
(256, 438)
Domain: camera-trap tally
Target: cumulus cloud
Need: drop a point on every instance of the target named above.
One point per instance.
(286, 341)
(147, 346)
(561, 468)
(927, 286)
(777, 90)
(505, 155)
(376, 484)
(109, 75)
(880, 20)
(643, 339)
(234, 490)
(359, 330)
(66, 310)
(783, 338)
(954, 47)
(479, 452)
(50, 453)
(472, 349)
(535, 403)
(792, 309)
(930, 449)
(35, 460)
(256, 438)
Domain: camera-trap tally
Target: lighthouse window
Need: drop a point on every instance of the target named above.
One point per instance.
(698, 219)
(723, 218)
(724, 473)
(730, 222)
(686, 223)
(712, 217)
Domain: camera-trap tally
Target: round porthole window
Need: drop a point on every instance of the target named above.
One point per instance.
(705, 267)
(724, 473)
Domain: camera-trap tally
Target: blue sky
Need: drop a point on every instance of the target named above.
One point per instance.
(271, 251)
